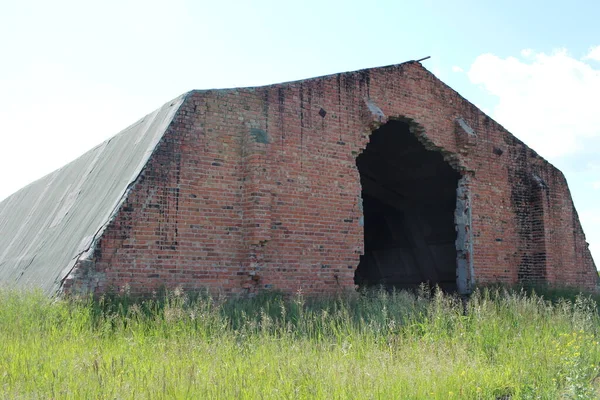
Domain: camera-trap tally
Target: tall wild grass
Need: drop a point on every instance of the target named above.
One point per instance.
(502, 344)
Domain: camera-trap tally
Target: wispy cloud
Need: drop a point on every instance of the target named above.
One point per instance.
(594, 54)
(526, 52)
(548, 100)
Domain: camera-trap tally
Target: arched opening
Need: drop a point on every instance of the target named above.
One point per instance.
(409, 200)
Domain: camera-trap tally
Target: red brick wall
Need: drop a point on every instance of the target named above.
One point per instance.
(258, 188)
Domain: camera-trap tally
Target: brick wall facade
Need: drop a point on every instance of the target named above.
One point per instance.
(258, 188)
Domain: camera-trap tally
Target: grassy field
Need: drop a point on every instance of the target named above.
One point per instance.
(501, 345)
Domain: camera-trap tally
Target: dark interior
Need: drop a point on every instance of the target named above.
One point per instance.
(409, 197)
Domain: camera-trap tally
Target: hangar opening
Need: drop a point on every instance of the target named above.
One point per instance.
(409, 199)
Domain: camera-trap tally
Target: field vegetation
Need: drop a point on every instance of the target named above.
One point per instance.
(502, 344)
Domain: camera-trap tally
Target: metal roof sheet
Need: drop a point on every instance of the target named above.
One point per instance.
(48, 224)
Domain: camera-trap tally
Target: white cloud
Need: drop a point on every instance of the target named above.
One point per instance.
(457, 69)
(550, 101)
(526, 52)
(594, 54)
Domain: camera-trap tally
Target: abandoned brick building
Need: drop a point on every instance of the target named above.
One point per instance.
(384, 176)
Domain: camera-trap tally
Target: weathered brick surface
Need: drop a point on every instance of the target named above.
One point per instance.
(258, 188)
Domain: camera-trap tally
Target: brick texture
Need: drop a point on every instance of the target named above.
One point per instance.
(258, 188)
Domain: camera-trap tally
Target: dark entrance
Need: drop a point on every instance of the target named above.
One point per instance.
(409, 198)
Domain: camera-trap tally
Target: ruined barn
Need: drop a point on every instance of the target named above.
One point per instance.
(384, 176)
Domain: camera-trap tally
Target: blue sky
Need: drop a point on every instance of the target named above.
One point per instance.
(74, 73)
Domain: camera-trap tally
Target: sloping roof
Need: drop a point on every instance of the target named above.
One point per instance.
(58, 217)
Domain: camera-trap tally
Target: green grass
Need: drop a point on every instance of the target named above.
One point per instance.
(502, 344)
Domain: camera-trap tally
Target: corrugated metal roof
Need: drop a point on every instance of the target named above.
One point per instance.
(46, 225)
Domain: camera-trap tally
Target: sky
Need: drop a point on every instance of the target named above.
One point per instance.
(74, 73)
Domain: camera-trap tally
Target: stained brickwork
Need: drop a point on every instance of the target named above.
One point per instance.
(258, 188)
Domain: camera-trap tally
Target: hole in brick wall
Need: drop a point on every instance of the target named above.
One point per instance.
(409, 198)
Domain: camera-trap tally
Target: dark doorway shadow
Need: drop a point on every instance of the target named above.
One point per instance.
(409, 199)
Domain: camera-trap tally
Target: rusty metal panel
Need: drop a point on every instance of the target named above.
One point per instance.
(48, 224)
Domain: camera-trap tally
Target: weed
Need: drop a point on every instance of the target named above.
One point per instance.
(503, 343)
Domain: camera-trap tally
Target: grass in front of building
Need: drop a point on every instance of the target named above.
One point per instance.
(502, 344)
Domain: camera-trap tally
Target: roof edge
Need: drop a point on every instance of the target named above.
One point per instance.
(89, 250)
